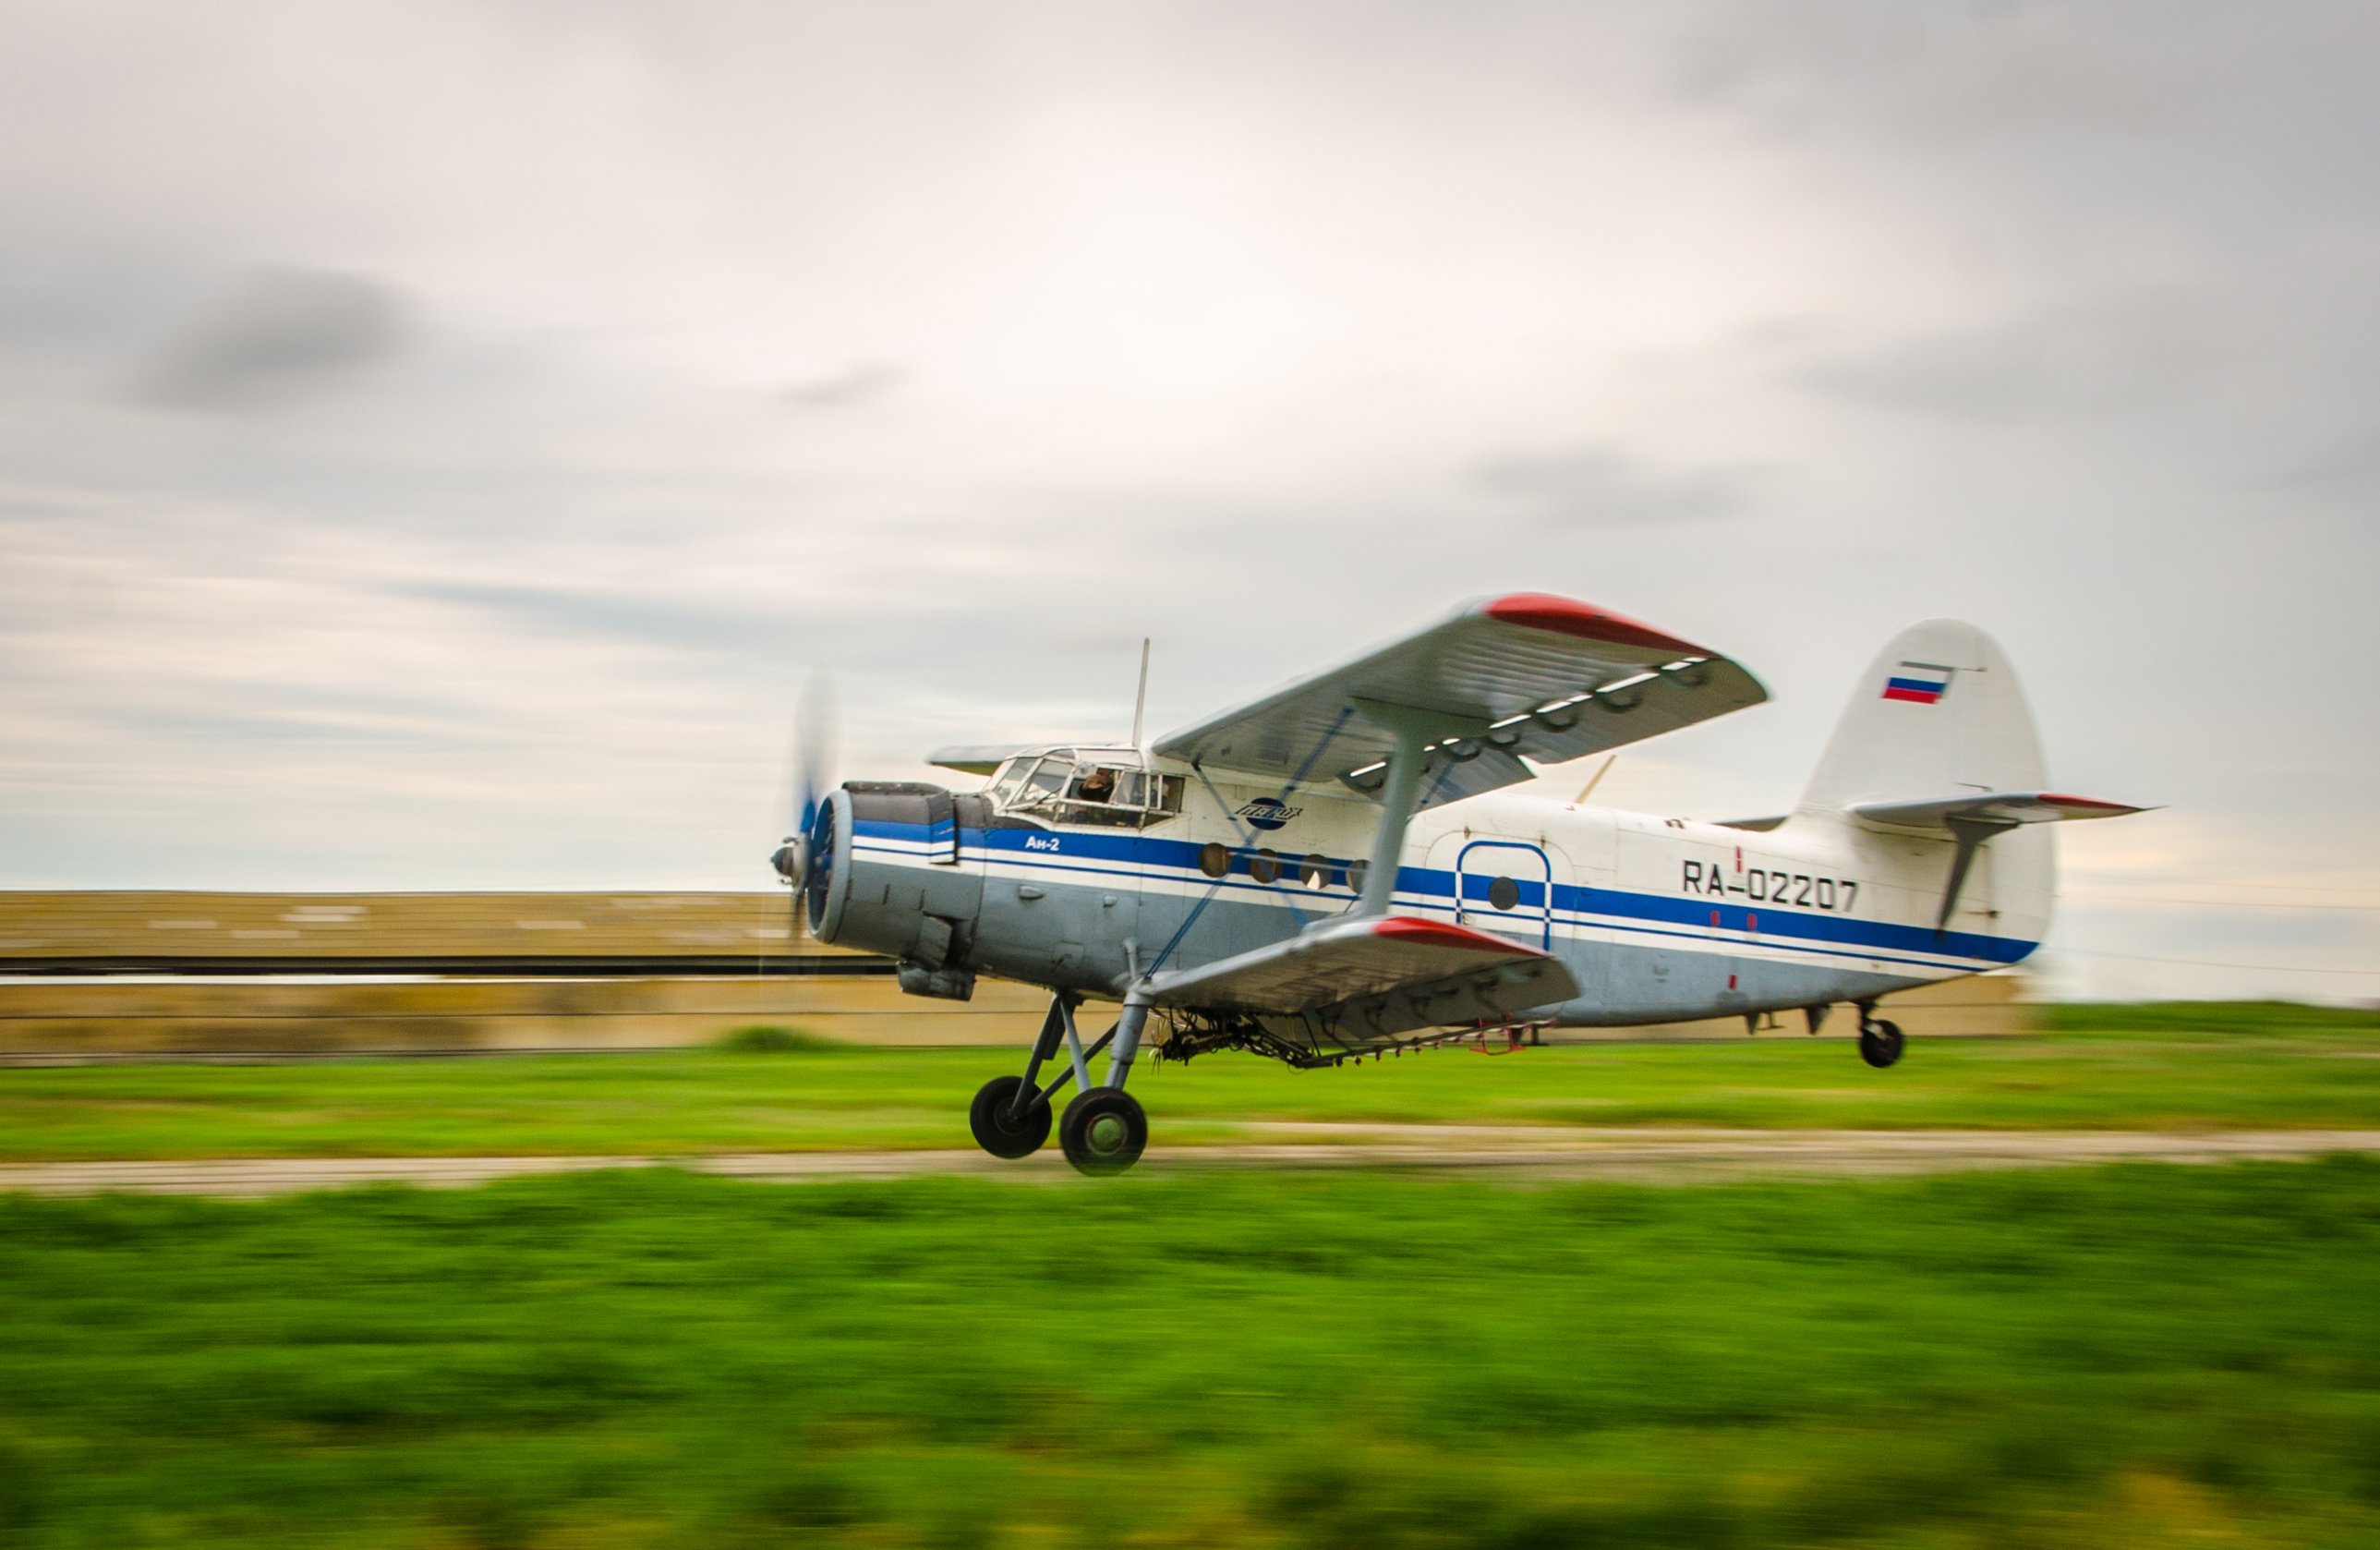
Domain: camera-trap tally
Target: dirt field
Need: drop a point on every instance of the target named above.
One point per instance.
(1548, 1151)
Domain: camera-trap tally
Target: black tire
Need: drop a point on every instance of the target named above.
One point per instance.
(1103, 1131)
(1001, 1131)
(1880, 1044)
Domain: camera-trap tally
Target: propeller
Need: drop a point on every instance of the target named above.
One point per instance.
(813, 762)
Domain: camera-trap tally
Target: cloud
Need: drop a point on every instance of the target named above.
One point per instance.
(1944, 73)
(274, 336)
(678, 624)
(766, 339)
(2352, 470)
(1600, 488)
(845, 389)
(2103, 354)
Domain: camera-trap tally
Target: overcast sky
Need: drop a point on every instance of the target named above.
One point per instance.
(437, 442)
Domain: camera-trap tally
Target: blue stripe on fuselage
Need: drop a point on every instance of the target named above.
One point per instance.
(1836, 935)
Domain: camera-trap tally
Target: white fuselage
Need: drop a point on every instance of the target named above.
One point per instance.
(1658, 919)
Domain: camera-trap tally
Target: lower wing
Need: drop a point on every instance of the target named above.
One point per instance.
(1357, 981)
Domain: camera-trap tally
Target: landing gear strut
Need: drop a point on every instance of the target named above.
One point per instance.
(1879, 1041)
(1103, 1131)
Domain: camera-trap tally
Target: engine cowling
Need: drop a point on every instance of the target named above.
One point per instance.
(886, 874)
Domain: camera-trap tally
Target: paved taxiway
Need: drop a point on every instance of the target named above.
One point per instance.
(1658, 1154)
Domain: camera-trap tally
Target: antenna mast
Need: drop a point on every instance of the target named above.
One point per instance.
(1140, 697)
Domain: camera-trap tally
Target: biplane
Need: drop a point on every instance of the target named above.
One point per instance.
(1351, 865)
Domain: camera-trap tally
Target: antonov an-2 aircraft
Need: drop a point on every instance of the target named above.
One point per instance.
(1338, 868)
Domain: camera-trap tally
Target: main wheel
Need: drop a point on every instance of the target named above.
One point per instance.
(1103, 1131)
(1880, 1043)
(998, 1128)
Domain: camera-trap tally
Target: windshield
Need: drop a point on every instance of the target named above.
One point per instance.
(1005, 783)
(1048, 777)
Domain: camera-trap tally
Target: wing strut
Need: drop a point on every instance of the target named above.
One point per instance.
(1414, 731)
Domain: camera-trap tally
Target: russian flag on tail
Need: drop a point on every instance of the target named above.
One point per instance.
(1920, 683)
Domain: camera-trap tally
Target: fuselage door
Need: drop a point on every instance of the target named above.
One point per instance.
(1506, 885)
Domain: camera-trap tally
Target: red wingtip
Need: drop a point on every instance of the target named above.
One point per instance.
(1439, 933)
(1564, 615)
(2059, 799)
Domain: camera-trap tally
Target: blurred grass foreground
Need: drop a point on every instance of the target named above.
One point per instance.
(2139, 1355)
(2084, 1357)
(2202, 1067)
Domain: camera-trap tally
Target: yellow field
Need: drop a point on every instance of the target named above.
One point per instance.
(193, 1015)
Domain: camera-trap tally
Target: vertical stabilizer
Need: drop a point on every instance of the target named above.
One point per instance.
(1937, 714)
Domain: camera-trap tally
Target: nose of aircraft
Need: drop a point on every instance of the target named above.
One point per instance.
(812, 762)
(806, 861)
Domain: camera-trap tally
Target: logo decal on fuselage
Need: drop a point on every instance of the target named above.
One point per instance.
(1268, 814)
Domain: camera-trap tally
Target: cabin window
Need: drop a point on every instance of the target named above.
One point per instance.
(1504, 893)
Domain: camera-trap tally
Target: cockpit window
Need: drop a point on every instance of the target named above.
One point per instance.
(1050, 778)
(1098, 788)
(1156, 793)
(1004, 784)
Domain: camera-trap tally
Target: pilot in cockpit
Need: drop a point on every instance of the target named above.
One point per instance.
(1096, 787)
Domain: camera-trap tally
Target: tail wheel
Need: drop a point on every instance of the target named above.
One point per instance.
(1880, 1043)
(1103, 1131)
(1000, 1129)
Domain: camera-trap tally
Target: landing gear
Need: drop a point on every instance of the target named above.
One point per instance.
(1103, 1131)
(1008, 1120)
(1879, 1040)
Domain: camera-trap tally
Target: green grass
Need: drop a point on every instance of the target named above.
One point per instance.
(768, 1038)
(2199, 1018)
(2094, 1357)
(2130, 1068)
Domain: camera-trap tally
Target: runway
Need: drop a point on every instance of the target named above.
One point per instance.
(1661, 1154)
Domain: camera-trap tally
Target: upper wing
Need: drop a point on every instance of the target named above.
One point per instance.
(973, 758)
(1521, 676)
(1378, 975)
(2006, 807)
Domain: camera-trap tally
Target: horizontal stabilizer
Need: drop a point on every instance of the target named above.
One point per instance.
(1377, 976)
(1993, 808)
(977, 759)
(1524, 675)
